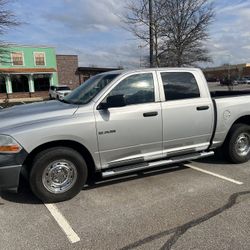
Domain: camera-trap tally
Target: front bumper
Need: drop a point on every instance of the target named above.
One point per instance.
(10, 169)
(9, 177)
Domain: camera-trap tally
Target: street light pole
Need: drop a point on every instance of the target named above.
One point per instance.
(151, 41)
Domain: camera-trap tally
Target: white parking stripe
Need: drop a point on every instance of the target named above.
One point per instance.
(63, 223)
(214, 174)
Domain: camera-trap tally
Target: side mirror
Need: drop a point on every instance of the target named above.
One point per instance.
(102, 106)
(115, 101)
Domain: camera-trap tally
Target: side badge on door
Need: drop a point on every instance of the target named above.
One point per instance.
(107, 132)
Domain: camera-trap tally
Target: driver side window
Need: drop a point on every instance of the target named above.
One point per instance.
(136, 89)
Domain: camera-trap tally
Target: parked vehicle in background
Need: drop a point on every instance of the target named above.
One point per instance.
(243, 80)
(247, 80)
(235, 82)
(59, 92)
(120, 122)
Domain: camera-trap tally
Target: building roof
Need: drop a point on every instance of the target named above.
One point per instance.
(27, 45)
(96, 69)
(26, 70)
(226, 67)
(66, 55)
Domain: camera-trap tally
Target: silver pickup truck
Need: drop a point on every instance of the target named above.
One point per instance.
(117, 123)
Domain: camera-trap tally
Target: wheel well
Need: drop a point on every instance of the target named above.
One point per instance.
(243, 119)
(64, 143)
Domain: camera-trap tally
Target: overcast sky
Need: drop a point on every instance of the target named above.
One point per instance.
(92, 30)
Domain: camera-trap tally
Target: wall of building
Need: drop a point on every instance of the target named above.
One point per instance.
(85, 73)
(67, 66)
(29, 62)
(29, 79)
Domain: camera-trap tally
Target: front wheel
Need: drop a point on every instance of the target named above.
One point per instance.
(58, 174)
(237, 145)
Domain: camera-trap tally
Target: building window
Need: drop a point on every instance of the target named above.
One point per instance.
(17, 58)
(39, 58)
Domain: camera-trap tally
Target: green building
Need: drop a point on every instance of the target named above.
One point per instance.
(27, 71)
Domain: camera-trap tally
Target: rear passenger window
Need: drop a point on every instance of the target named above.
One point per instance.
(179, 85)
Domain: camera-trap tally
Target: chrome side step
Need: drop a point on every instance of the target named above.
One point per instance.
(149, 165)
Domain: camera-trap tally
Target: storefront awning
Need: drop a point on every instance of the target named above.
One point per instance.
(27, 70)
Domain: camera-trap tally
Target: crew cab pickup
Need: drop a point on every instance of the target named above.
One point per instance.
(120, 122)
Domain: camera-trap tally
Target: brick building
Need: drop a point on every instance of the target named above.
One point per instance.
(70, 74)
(228, 71)
(85, 73)
(67, 66)
(29, 71)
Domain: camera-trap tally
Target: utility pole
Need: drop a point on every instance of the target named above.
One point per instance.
(140, 47)
(151, 41)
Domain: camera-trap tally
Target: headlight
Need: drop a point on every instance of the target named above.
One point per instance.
(9, 145)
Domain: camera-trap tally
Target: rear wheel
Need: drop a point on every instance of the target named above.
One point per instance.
(58, 174)
(237, 145)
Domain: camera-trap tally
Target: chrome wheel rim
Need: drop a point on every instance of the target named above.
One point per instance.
(243, 144)
(59, 176)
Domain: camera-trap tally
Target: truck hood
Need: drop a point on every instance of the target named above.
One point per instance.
(32, 113)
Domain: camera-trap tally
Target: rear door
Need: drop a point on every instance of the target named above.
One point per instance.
(187, 112)
(131, 134)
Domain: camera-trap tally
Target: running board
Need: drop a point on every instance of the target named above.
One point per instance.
(149, 165)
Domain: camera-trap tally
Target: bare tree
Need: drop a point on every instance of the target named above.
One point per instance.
(137, 19)
(8, 20)
(180, 28)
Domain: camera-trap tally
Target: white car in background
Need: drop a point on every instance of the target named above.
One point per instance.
(244, 80)
(59, 92)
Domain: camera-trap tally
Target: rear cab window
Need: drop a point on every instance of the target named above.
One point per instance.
(179, 86)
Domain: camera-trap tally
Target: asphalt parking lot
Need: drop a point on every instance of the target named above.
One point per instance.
(198, 205)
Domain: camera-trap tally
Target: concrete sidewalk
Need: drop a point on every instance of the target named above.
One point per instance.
(24, 100)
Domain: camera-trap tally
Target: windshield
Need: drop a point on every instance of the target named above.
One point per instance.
(89, 89)
(62, 88)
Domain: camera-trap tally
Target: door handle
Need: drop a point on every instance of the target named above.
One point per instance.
(202, 108)
(149, 114)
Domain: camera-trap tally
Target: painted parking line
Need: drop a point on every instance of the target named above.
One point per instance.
(63, 223)
(214, 174)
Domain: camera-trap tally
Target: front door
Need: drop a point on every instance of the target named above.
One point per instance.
(131, 134)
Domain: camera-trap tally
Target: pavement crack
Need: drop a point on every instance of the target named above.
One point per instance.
(181, 230)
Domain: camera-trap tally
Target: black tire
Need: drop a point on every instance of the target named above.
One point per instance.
(47, 157)
(230, 145)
